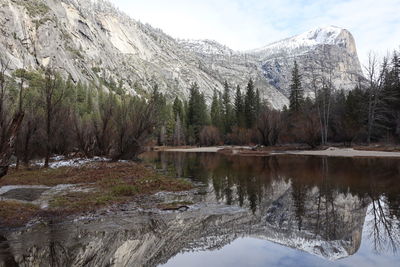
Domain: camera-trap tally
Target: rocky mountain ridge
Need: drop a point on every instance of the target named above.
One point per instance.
(92, 41)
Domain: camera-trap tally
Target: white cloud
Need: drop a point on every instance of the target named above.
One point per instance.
(248, 24)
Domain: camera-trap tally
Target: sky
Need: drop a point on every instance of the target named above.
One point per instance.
(248, 24)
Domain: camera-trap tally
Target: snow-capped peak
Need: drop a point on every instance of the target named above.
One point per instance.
(321, 35)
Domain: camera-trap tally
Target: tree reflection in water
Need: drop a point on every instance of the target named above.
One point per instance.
(324, 206)
(318, 187)
(384, 227)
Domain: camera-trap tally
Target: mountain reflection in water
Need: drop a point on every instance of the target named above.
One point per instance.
(345, 211)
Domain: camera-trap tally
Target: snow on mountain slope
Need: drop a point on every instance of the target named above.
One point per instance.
(319, 36)
(91, 40)
(205, 47)
(327, 49)
(323, 48)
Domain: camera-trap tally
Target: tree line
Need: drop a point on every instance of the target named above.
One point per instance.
(368, 113)
(56, 116)
(42, 114)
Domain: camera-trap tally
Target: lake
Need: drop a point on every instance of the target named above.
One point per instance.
(303, 211)
(247, 211)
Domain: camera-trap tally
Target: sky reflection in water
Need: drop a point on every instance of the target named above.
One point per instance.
(325, 198)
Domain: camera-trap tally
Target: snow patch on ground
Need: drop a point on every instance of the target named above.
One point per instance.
(61, 161)
(75, 162)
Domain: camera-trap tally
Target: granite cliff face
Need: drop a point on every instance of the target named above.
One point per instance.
(91, 41)
(330, 52)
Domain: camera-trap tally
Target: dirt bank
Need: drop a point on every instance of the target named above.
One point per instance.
(344, 152)
(211, 149)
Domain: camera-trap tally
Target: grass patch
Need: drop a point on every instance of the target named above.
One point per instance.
(111, 183)
(79, 202)
(103, 173)
(124, 190)
(16, 213)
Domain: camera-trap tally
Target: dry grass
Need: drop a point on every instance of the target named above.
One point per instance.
(90, 173)
(112, 183)
(16, 214)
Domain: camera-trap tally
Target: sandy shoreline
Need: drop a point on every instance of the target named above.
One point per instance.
(344, 152)
(211, 149)
(330, 152)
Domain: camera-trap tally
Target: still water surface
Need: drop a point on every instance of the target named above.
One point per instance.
(306, 211)
(249, 211)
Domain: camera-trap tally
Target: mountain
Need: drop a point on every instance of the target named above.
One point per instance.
(330, 49)
(93, 42)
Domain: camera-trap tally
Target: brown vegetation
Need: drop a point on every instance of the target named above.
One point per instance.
(210, 136)
(108, 184)
(15, 213)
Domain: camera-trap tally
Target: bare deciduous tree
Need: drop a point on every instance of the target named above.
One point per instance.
(9, 131)
(374, 91)
(102, 123)
(141, 120)
(4, 120)
(179, 137)
(321, 74)
(269, 125)
(209, 136)
(52, 93)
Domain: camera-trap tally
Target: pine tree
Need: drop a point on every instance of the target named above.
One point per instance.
(258, 103)
(216, 111)
(296, 91)
(390, 105)
(250, 105)
(354, 115)
(239, 108)
(178, 108)
(197, 111)
(163, 114)
(227, 109)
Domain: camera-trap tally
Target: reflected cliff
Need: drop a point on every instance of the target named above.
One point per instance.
(327, 207)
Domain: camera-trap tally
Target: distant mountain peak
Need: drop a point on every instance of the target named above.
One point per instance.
(322, 35)
(326, 35)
